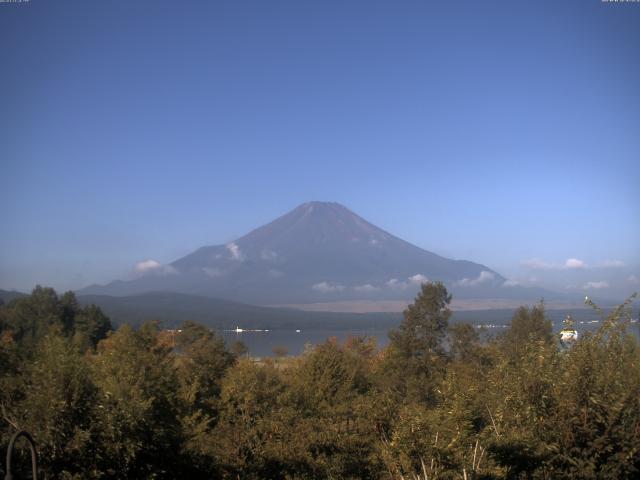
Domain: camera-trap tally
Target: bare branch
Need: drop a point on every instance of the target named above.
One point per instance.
(493, 422)
(6, 417)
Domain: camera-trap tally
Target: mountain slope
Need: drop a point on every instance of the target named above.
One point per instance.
(317, 252)
(6, 296)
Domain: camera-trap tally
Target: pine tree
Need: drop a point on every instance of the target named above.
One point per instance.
(416, 357)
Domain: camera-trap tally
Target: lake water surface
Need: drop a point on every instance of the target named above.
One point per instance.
(262, 344)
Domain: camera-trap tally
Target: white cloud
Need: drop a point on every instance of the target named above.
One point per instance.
(596, 285)
(510, 283)
(412, 281)
(574, 263)
(236, 253)
(147, 266)
(569, 264)
(417, 279)
(150, 266)
(633, 279)
(611, 264)
(539, 264)
(325, 287)
(480, 279)
(366, 288)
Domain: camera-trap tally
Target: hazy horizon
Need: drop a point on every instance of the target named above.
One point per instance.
(493, 132)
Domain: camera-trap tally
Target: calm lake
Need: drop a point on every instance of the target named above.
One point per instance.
(262, 343)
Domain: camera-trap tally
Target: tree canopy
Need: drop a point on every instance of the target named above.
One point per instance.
(439, 402)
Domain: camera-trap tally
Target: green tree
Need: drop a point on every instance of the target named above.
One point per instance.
(596, 430)
(415, 358)
(69, 308)
(91, 325)
(137, 406)
(254, 437)
(239, 349)
(527, 325)
(202, 363)
(57, 406)
(464, 343)
(329, 377)
(31, 317)
(332, 388)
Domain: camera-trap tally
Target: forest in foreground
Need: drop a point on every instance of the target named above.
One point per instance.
(436, 403)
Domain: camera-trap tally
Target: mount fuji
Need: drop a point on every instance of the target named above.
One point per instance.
(318, 252)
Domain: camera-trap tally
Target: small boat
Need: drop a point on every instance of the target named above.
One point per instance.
(238, 329)
(568, 334)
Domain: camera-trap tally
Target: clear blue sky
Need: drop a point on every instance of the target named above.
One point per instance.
(500, 132)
